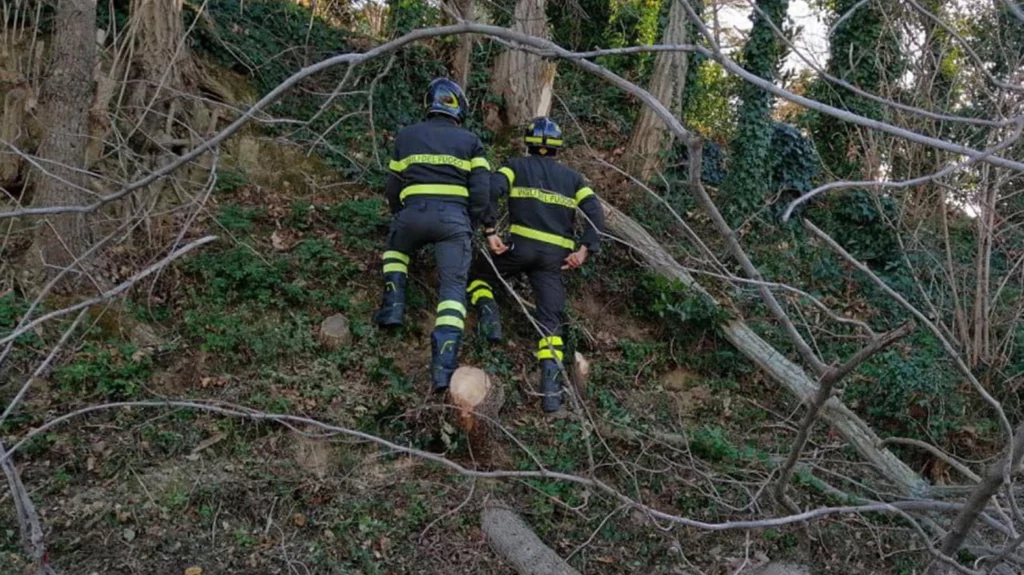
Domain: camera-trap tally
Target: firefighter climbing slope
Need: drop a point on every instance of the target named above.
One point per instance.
(438, 190)
(543, 196)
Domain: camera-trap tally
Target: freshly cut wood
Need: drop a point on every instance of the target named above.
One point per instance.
(335, 333)
(580, 373)
(478, 400)
(513, 540)
(853, 429)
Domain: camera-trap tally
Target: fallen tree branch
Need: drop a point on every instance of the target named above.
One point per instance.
(878, 344)
(292, 422)
(109, 294)
(989, 486)
(946, 345)
(528, 43)
(777, 366)
(28, 520)
(936, 452)
(999, 473)
(822, 395)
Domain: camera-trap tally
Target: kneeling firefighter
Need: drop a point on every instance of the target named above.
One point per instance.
(437, 190)
(543, 196)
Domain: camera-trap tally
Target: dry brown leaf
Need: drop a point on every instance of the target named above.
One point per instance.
(299, 519)
(194, 571)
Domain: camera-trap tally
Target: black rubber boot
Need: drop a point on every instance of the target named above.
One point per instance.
(551, 385)
(488, 320)
(392, 306)
(444, 357)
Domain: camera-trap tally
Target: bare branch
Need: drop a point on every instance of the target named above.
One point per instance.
(596, 484)
(822, 395)
(905, 183)
(109, 294)
(936, 452)
(544, 47)
(904, 134)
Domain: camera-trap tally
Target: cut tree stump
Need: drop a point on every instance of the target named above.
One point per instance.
(581, 373)
(513, 540)
(335, 333)
(477, 399)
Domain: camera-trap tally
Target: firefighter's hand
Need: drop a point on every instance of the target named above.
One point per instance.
(495, 244)
(575, 259)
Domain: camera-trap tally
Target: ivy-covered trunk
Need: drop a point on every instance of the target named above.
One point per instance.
(746, 184)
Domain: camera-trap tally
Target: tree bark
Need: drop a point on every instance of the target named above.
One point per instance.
(463, 9)
(513, 540)
(982, 494)
(651, 137)
(163, 67)
(524, 80)
(860, 436)
(65, 99)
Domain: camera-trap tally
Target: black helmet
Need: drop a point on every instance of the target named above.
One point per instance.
(543, 135)
(446, 97)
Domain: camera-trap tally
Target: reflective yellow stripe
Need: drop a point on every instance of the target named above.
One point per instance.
(480, 163)
(549, 354)
(388, 268)
(478, 284)
(430, 159)
(509, 174)
(582, 194)
(482, 294)
(536, 140)
(549, 341)
(450, 321)
(542, 236)
(393, 255)
(434, 190)
(454, 305)
(544, 196)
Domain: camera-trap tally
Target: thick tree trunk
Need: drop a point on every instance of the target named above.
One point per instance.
(525, 80)
(651, 136)
(461, 63)
(163, 68)
(860, 436)
(65, 99)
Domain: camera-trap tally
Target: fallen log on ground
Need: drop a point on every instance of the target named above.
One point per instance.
(772, 361)
(513, 540)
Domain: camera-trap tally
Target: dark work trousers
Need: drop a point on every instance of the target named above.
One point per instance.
(446, 225)
(542, 264)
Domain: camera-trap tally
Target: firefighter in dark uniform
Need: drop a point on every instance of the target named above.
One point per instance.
(438, 190)
(543, 196)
